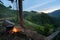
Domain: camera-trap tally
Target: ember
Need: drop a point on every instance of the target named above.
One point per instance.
(15, 29)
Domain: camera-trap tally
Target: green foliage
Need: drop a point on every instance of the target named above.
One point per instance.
(7, 13)
(32, 19)
(40, 22)
(33, 26)
(1, 2)
(48, 29)
(37, 18)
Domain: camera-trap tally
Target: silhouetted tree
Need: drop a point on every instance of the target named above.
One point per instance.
(10, 6)
(11, 1)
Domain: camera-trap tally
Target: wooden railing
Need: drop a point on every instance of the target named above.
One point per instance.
(1, 20)
(50, 37)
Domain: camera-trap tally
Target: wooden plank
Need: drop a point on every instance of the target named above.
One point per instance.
(52, 35)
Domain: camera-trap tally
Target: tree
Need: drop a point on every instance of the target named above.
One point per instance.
(8, 0)
(10, 6)
(1, 2)
(48, 29)
(11, 1)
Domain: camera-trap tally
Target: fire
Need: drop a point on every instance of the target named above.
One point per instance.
(15, 29)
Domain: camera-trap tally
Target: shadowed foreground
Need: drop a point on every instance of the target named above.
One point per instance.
(27, 35)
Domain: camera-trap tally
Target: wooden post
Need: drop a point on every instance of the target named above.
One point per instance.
(20, 13)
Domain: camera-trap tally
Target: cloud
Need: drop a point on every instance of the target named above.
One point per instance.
(49, 10)
(39, 4)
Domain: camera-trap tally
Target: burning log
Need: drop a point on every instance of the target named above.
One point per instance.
(14, 34)
(15, 30)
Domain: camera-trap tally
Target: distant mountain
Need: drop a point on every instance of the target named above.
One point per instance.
(55, 14)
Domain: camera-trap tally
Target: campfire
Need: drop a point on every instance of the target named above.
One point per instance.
(11, 27)
(15, 30)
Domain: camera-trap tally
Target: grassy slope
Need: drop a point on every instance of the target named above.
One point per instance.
(12, 13)
(32, 26)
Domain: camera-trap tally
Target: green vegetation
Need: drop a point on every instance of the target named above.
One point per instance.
(40, 22)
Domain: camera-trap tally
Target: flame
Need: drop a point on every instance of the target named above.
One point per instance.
(15, 29)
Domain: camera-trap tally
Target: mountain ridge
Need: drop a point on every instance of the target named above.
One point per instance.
(55, 13)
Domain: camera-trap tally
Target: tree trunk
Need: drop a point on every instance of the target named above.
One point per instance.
(20, 13)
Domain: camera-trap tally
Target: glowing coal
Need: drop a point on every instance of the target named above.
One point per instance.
(15, 29)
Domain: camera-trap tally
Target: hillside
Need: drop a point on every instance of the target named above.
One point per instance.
(42, 23)
(37, 26)
(39, 22)
(55, 13)
(5, 11)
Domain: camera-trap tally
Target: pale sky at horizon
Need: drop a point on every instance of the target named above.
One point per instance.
(41, 5)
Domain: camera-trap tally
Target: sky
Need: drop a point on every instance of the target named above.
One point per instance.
(41, 5)
(8, 3)
(37, 5)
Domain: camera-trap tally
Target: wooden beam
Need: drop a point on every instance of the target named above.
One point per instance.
(50, 37)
